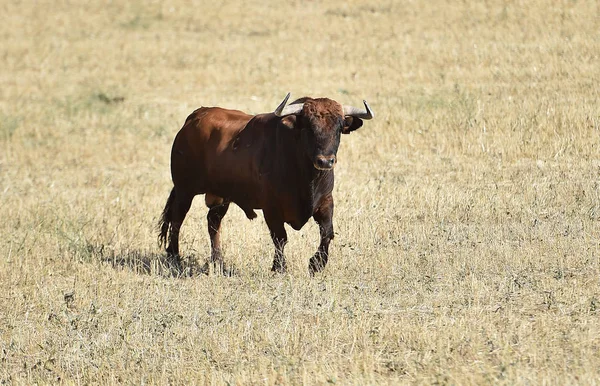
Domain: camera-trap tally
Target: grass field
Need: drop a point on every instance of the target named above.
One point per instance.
(467, 220)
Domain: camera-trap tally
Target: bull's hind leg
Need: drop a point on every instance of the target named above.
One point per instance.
(217, 210)
(324, 217)
(279, 237)
(180, 207)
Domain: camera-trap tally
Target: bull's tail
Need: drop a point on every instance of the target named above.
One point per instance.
(164, 224)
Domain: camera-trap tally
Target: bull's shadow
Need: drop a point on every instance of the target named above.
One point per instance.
(150, 262)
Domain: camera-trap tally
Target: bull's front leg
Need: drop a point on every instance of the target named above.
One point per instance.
(324, 217)
(279, 237)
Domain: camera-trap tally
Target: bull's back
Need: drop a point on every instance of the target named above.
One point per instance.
(205, 157)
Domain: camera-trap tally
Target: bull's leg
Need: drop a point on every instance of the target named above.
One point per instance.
(324, 217)
(181, 205)
(217, 210)
(279, 237)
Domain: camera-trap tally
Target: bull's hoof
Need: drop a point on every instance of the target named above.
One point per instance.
(279, 268)
(316, 265)
(217, 269)
(223, 270)
(174, 260)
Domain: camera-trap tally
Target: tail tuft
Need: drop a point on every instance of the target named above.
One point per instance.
(164, 223)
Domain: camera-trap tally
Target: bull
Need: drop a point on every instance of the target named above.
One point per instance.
(281, 162)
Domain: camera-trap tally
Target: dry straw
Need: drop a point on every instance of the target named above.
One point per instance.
(467, 213)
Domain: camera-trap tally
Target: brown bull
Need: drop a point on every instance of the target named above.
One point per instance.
(280, 162)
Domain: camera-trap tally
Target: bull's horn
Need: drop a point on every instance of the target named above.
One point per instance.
(359, 113)
(279, 108)
(282, 110)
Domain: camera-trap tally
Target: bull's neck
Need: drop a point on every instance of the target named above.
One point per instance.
(295, 166)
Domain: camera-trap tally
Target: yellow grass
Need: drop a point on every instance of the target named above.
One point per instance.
(467, 221)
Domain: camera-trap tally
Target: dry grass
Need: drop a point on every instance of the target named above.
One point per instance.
(467, 213)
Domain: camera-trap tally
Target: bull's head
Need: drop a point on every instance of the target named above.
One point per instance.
(320, 123)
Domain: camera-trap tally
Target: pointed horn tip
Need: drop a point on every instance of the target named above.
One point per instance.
(369, 111)
(279, 108)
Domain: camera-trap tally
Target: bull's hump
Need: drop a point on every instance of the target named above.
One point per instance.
(225, 119)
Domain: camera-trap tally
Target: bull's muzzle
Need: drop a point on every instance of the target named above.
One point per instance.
(324, 162)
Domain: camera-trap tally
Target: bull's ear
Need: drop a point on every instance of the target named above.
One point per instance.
(288, 122)
(351, 124)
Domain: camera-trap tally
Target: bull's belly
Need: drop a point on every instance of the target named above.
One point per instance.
(287, 206)
(296, 215)
(242, 195)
